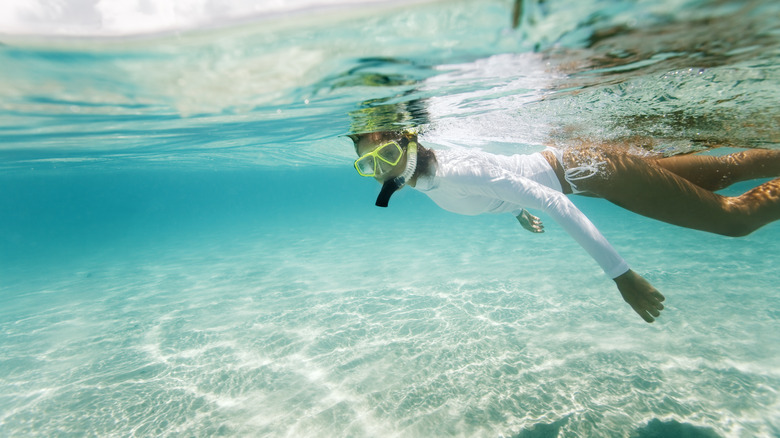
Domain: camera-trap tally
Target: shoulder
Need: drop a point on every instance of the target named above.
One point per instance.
(463, 163)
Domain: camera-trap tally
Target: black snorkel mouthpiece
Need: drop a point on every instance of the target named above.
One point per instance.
(388, 188)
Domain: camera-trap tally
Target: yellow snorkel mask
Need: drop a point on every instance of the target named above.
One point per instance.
(370, 164)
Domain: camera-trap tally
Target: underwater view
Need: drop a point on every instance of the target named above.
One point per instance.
(186, 248)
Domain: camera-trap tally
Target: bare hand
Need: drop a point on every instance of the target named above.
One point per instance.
(640, 294)
(530, 222)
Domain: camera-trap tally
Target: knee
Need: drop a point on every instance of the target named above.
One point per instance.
(736, 229)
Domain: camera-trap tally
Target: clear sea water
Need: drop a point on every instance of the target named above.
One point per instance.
(185, 249)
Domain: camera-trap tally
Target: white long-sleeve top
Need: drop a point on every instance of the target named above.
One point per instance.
(473, 182)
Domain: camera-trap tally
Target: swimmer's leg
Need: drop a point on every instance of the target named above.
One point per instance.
(653, 191)
(718, 172)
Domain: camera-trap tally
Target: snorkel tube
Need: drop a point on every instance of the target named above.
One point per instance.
(392, 185)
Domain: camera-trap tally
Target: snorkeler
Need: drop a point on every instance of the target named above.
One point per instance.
(678, 190)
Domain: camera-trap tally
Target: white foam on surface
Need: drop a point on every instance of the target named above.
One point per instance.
(134, 17)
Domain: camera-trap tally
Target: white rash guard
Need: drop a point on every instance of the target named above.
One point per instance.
(472, 182)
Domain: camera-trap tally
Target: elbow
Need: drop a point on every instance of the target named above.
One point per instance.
(559, 206)
(557, 202)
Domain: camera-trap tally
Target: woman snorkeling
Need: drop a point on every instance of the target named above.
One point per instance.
(678, 190)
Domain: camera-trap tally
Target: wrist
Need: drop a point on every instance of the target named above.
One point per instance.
(625, 276)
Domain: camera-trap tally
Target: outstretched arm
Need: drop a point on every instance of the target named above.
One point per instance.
(640, 294)
(521, 191)
(636, 291)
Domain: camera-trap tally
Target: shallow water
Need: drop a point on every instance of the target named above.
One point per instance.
(186, 250)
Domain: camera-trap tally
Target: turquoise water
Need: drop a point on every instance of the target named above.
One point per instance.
(185, 249)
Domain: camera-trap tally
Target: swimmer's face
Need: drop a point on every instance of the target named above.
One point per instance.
(369, 142)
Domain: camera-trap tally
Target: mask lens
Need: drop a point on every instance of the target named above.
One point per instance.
(390, 153)
(365, 165)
